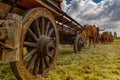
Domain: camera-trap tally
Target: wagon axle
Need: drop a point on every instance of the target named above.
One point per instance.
(45, 46)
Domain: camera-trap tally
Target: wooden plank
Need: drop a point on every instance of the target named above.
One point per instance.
(13, 25)
(27, 4)
(4, 9)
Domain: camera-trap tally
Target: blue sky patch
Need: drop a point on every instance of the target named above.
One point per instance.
(68, 1)
(96, 1)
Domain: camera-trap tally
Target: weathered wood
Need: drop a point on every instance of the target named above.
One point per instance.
(4, 9)
(39, 37)
(3, 34)
(13, 24)
(78, 43)
(39, 59)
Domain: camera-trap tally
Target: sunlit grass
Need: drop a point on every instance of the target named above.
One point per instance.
(6, 72)
(99, 63)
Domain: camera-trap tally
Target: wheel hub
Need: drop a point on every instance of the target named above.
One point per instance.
(45, 46)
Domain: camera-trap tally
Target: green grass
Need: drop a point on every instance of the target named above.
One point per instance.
(99, 63)
(6, 72)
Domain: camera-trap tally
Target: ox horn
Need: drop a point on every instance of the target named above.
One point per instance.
(101, 29)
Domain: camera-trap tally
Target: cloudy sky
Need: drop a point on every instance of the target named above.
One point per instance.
(102, 13)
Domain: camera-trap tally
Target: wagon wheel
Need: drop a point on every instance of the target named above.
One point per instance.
(39, 38)
(78, 43)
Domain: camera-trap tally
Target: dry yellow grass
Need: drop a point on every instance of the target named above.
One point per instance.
(99, 63)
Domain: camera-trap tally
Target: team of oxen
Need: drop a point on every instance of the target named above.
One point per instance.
(91, 35)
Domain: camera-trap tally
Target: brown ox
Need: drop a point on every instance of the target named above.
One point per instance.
(105, 37)
(98, 38)
(111, 38)
(98, 35)
(91, 34)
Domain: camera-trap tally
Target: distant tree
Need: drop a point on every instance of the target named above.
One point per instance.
(115, 34)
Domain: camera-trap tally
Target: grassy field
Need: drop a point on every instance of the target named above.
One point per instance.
(99, 63)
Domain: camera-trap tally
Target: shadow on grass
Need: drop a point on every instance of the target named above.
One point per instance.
(66, 50)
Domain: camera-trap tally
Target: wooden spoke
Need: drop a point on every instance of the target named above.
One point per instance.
(32, 34)
(52, 45)
(50, 59)
(38, 27)
(43, 25)
(41, 68)
(36, 66)
(31, 62)
(46, 62)
(29, 54)
(51, 31)
(29, 44)
(47, 27)
(37, 33)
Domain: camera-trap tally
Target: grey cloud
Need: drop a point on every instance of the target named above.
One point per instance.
(104, 14)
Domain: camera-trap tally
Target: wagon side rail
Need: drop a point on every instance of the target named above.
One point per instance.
(59, 15)
(64, 18)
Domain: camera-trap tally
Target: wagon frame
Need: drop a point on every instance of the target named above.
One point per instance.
(37, 27)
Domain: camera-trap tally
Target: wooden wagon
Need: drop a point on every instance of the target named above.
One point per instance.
(30, 33)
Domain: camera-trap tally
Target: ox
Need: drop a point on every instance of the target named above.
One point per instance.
(98, 35)
(105, 37)
(111, 38)
(98, 38)
(91, 34)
